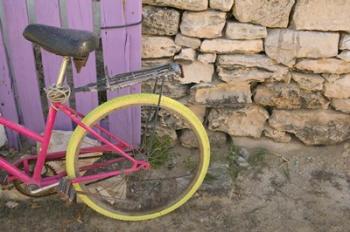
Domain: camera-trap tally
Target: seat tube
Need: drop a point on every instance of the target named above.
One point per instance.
(61, 74)
(49, 125)
(45, 144)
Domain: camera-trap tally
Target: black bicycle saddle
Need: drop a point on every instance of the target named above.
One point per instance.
(60, 41)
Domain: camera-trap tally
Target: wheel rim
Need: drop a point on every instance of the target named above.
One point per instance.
(170, 191)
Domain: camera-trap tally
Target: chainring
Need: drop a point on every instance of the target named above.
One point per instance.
(23, 188)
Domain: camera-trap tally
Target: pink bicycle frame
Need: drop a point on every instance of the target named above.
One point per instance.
(15, 173)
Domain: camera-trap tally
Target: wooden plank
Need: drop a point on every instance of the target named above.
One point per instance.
(122, 53)
(23, 64)
(133, 12)
(7, 99)
(79, 16)
(48, 12)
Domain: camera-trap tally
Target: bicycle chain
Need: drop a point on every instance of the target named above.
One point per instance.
(22, 188)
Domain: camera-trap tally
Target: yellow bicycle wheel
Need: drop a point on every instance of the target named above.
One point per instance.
(168, 135)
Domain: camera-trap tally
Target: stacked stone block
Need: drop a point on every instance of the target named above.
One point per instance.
(274, 68)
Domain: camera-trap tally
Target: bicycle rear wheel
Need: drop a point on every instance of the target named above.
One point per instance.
(170, 138)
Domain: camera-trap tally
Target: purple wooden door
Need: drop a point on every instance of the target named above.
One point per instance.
(22, 65)
(20, 96)
(79, 14)
(122, 53)
(48, 12)
(7, 99)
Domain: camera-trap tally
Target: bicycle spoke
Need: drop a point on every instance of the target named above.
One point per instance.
(174, 166)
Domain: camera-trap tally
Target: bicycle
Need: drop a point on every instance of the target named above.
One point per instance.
(145, 178)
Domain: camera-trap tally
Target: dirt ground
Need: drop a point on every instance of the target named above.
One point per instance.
(282, 187)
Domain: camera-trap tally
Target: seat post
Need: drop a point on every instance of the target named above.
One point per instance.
(62, 72)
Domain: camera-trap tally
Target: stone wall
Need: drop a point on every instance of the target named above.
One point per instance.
(274, 68)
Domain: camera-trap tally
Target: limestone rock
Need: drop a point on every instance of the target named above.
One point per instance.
(185, 41)
(197, 72)
(345, 55)
(288, 96)
(278, 136)
(206, 24)
(208, 58)
(225, 46)
(198, 110)
(345, 42)
(244, 153)
(310, 82)
(269, 13)
(223, 5)
(158, 47)
(330, 65)
(232, 94)
(168, 133)
(160, 21)
(342, 105)
(217, 138)
(322, 15)
(172, 121)
(251, 61)
(241, 162)
(193, 5)
(313, 101)
(186, 55)
(316, 127)
(338, 88)
(171, 88)
(151, 63)
(285, 45)
(249, 75)
(236, 30)
(248, 121)
(331, 77)
(188, 139)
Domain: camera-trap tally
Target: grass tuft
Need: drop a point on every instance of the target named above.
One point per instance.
(159, 150)
(232, 157)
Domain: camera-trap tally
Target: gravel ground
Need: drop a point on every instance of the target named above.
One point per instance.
(264, 187)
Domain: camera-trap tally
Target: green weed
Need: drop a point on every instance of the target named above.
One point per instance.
(286, 173)
(258, 157)
(209, 178)
(189, 163)
(232, 157)
(158, 150)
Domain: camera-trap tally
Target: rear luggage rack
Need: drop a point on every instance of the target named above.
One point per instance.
(131, 78)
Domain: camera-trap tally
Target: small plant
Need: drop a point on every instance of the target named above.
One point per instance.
(190, 163)
(209, 178)
(286, 173)
(232, 157)
(258, 157)
(159, 150)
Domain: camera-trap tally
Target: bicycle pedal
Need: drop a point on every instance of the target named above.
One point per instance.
(3, 177)
(66, 190)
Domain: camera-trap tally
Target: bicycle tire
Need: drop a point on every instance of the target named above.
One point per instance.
(203, 149)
